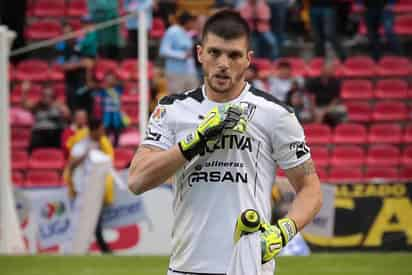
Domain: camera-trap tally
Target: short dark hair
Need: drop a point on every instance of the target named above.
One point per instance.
(185, 17)
(94, 123)
(228, 24)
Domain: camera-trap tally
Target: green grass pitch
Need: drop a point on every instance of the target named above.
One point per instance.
(317, 264)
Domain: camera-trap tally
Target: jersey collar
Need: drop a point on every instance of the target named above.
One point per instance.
(242, 94)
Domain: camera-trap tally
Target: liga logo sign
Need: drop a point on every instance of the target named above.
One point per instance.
(54, 222)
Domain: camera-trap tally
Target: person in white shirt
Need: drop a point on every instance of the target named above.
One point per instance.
(281, 84)
(223, 143)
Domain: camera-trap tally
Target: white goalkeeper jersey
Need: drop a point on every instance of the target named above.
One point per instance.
(236, 174)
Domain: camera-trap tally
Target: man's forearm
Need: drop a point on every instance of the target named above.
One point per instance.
(151, 168)
(307, 203)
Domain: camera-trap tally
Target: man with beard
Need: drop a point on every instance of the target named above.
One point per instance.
(223, 142)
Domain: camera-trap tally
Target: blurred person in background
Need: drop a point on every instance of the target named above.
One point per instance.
(177, 50)
(257, 14)
(91, 138)
(323, 24)
(326, 92)
(279, 12)
(282, 82)
(131, 24)
(49, 119)
(79, 123)
(109, 97)
(380, 13)
(108, 39)
(300, 102)
(264, 78)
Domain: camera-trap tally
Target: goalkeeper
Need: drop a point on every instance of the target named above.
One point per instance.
(223, 142)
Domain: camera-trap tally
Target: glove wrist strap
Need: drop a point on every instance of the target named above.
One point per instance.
(191, 145)
(288, 229)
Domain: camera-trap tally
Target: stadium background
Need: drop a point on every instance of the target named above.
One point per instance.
(367, 158)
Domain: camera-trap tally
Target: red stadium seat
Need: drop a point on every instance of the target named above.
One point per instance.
(320, 154)
(407, 135)
(16, 94)
(32, 69)
(349, 133)
(358, 89)
(385, 133)
(348, 156)
(345, 175)
(130, 138)
(39, 178)
(122, 157)
(129, 70)
(382, 174)
(43, 30)
(403, 6)
(390, 111)
(47, 158)
(103, 66)
(132, 111)
(391, 89)
(316, 64)
(407, 156)
(77, 8)
(403, 25)
(17, 178)
(56, 73)
(19, 160)
(390, 66)
(359, 66)
(158, 28)
(383, 156)
(20, 117)
(298, 65)
(317, 134)
(406, 173)
(359, 112)
(20, 138)
(49, 8)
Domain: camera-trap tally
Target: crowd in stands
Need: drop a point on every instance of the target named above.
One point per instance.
(95, 75)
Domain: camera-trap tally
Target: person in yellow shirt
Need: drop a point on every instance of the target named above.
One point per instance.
(79, 145)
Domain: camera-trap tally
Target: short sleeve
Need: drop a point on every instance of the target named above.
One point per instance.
(159, 131)
(289, 146)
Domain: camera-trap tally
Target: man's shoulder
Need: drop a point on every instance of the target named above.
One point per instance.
(195, 94)
(270, 99)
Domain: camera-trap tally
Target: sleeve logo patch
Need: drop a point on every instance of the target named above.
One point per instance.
(159, 113)
(300, 147)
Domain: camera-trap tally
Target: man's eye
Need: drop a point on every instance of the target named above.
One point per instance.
(214, 53)
(234, 55)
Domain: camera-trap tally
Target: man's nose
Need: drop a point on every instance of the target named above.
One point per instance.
(223, 62)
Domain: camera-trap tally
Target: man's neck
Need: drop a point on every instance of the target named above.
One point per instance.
(227, 96)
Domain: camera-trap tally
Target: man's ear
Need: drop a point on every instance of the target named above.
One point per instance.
(250, 55)
(199, 51)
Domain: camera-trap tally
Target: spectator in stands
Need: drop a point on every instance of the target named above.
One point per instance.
(257, 14)
(378, 13)
(66, 48)
(282, 83)
(49, 119)
(78, 73)
(75, 173)
(80, 119)
(264, 79)
(323, 22)
(131, 24)
(108, 38)
(109, 97)
(177, 49)
(87, 45)
(279, 12)
(326, 92)
(300, 102)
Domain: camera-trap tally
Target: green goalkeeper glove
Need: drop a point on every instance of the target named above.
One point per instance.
(217, 120)
(275, 237)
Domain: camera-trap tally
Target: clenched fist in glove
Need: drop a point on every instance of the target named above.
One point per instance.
(216, 121)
